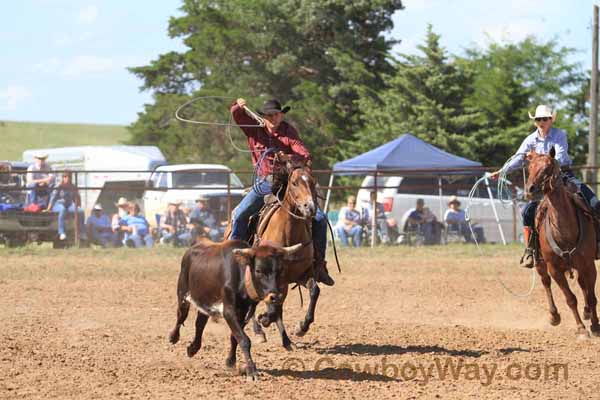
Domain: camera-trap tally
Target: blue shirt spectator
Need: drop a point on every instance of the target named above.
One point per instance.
(138, 229)
(99, 228)
(349, 224)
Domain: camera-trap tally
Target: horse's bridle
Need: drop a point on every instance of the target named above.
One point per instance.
(290, 212)
(550, 181)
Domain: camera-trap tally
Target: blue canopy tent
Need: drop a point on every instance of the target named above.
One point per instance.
(406, 156)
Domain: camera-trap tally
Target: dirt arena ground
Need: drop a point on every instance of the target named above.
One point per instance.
(400, 323)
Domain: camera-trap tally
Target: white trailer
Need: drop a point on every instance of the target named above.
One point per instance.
(115, 170)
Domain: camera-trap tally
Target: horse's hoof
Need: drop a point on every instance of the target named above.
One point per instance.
(555, 319)
(174, 337)
(582, 334)
(596, 332)
(260, 338)
(192, 350)
(252, 377)
(299, 331)
(290, 346)
(230, 363)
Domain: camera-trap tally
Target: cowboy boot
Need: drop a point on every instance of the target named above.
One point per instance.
(527, 260)
(321, 273)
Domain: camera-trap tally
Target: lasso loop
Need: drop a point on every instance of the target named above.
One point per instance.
(502, 183)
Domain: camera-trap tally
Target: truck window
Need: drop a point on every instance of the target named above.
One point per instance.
(192, 179)
(162, 181)
(419, 185)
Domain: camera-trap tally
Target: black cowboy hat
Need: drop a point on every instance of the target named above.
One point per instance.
(273, 106)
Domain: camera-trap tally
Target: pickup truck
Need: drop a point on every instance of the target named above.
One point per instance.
(18, 227)
(183, 183)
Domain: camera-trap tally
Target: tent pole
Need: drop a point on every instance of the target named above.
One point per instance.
(440, 195)
(328, 193)
(374, 216)
(487, 185)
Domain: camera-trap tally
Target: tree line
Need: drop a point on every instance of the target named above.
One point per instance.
(332, 61)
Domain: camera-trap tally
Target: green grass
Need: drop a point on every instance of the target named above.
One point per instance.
(16, 137)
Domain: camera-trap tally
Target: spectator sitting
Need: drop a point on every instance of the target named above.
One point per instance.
(387, 227)
(349, 224)
(63, 199)
(99, 229)
(39, 183)
(456, 220)
(421, 219)
(118, 226)
(137, 228)
(204, 221)
(174, 226)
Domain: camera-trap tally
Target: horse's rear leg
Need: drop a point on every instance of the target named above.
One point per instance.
(197, 342)
(561, 281)
(591, 301)
(586, 308)
(182, 312)
(310, 314)
(546, 281)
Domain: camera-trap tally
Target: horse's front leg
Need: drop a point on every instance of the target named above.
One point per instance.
(542, 270)
(560, 279)
(285, 339)
(314, 291)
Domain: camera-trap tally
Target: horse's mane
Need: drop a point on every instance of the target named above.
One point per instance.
(281, 175)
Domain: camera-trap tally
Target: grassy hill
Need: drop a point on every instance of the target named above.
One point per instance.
(15, 137)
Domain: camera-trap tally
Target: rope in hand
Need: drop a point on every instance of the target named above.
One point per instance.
(502, 182)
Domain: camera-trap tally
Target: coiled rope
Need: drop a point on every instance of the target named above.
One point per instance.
(502, 182)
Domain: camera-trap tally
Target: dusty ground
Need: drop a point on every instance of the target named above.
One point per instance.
(86, 324)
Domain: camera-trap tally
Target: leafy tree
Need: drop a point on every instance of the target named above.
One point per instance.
(316, 56)
(476, 105)
(426, 97)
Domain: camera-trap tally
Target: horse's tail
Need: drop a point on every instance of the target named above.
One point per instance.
(183, 280)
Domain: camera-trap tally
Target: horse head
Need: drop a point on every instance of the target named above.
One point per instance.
(544, 173)
(299, 186)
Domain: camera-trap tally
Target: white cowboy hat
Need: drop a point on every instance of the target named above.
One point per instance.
(122, 202)
(175, 202)
(40, 155)
(542, 111)
(453, 199)
(98, 207)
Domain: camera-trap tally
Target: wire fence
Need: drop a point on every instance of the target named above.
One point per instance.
(398, 191)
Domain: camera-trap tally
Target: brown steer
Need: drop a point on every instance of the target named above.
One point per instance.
(229, 279)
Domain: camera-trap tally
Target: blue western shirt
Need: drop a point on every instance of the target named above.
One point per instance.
(556, 138)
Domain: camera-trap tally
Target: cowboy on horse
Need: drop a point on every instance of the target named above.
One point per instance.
(541, 141)
(265, 143)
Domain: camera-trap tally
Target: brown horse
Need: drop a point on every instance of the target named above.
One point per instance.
(567, 239)
(290, 222)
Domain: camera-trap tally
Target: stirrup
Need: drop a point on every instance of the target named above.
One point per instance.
(527, 260)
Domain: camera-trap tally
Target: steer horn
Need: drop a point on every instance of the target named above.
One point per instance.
(289, 250)
(244, 252)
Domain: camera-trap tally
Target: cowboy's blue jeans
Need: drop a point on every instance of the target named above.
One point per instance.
(355, 233)
(60, 208)
(253, 202)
